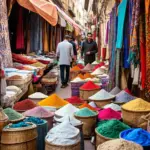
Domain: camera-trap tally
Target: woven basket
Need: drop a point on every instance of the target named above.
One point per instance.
(30, 145)
(89, 124)
(101, 139)
(132, 117)
(73, 74)
(101, 103)
(49, 146)
(85, 94)
(18, 135)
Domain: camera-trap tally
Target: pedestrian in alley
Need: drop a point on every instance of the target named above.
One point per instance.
(71, 40)
(89, 49)
(65, 55)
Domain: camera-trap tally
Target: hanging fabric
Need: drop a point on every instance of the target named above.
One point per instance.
(36, 33)
(20, 31)
(5, 50)
(10, 4)
(147, 16)
(45, 37)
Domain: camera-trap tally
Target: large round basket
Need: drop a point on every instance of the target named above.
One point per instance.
(30, 145)
(101, 139)
(85, 94)
(18, 135)
(132, 117)
(101, 103)
(49, 146)
(89, 124)
(73, 74)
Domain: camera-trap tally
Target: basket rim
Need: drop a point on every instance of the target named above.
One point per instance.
(32, 126)
(104, 136)
(135, 111)
(87, 116)
(90, 90)
(61, 145)
(101, 100)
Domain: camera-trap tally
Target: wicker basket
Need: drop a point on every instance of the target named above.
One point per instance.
(18, 135)
(49, 146)
(85, 94)
(101, 139)
(101, 103)
(73, 74)
(30, 145)
(132, 117)
(89, 124)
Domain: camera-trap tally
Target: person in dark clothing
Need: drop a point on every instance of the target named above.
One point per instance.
(89, 49)
(71, 40)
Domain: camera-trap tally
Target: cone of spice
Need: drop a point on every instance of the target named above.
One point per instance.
(54, 101)
(75, 68)
(75, 100)
(85, 105)
(80, 76)
(80, 66)
(88, 75)
(24, 105)
(88, 67)
(89, 86)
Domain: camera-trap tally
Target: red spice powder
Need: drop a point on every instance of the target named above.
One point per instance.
(107, 114)
(87, 106)
(128, 91)
(89, 86)
(75, 100)
(24, 105)
(99, 65)
(80, 66)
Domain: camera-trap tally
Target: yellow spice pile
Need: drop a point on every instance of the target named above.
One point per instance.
(137, 105)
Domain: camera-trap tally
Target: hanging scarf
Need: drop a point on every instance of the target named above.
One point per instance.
(147, 16)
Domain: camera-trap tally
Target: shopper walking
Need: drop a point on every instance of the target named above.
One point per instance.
(89, 49)
(65, 54)
(71, 40)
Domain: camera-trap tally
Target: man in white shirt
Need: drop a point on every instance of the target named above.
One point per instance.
(65, 54)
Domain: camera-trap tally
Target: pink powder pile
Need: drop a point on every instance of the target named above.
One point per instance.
(108, 114)
(39, 112)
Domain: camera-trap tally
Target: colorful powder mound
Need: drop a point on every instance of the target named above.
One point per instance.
(89, 86)
(138, 136)
(85, 112)
(107, 114)
(85, 105)
(80, 76)
(137, 105)
(19, 125)
(24, 105)
(88, 67)
(111, 128)
(12, 114)
(54, 101)
(75, 68)
(39, 112)
(75, 100)
(34, 120)
(88, 75)
(80, 66)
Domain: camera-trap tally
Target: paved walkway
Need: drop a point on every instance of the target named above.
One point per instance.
(66, 93)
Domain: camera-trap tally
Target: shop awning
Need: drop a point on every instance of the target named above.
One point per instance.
(45, 9)
(68, 19)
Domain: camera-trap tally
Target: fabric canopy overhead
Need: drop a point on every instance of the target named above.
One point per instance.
(45, 9)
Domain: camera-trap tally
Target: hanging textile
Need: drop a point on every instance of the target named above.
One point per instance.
(10, 4)
(121, 18)
(45, 37)
(5, 50)
(134, 39)
(36, 33)
(20, 31)
(142, 45)
(147, 16)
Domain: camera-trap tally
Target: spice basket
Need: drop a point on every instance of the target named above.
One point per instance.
(49, 146)
(30, 145)
(89, 124)
(18, 135)
(85, 94)
(101, 103)
(101, 139)
(132, 117)
(73, 74)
